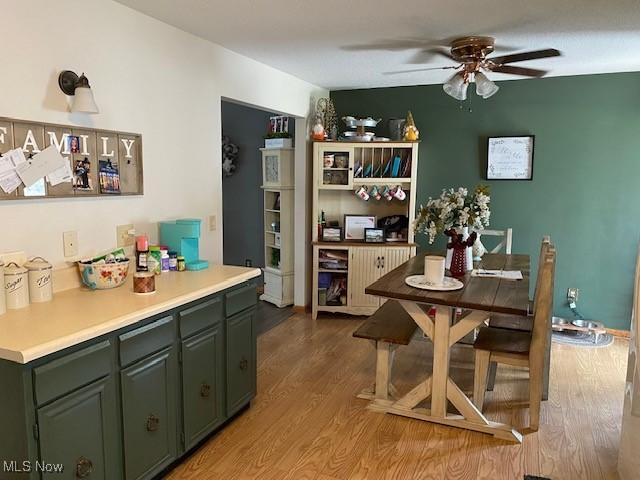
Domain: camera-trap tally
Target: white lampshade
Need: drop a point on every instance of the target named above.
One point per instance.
(485, 87)
(456, 86)
(83, 101)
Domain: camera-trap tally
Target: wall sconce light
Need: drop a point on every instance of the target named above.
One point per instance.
(79, 89)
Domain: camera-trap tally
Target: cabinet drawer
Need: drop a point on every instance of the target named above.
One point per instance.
(146, 340)
(149, 414)
(241, 360)
(201, 316)
(80, 431)
(72, 371)
(202, 384)
(241, 299)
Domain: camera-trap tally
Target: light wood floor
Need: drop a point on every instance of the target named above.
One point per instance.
(307, 424)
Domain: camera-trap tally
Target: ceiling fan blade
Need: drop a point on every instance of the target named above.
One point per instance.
(526, 72)
(521, 57)
(443, 53)
(415, 70)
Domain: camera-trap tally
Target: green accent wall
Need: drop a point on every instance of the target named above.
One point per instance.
(585, 191)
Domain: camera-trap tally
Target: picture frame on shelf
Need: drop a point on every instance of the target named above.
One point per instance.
(374, 235)
(354, 226)
(510, 157)
(332, 234)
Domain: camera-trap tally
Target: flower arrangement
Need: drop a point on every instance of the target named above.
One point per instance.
(454, 209)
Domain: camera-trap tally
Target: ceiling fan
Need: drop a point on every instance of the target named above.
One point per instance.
(471, 55)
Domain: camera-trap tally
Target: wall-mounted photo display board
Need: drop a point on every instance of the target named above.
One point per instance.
(97, 162)
(510, 158)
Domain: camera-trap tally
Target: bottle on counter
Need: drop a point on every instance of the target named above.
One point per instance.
(154, 260)
(142, 253)
(173, 261)
(164, 258)
(182, 265)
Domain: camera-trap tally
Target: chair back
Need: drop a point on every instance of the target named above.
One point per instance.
(507, 239)
(546, 243)
(544, 309)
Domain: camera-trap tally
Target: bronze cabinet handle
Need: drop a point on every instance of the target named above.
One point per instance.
(244, 364)
(152, 423)
(84, 467)
(205, 390)
(378, 262)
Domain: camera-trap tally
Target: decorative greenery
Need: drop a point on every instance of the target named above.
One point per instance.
(278, 135)
(275, 258)
(454, 209)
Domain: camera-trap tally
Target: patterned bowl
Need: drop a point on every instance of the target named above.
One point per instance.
(102, 276)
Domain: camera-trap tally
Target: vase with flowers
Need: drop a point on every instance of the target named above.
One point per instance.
(455, 211)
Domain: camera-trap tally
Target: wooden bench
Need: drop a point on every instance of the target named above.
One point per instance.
(388, 328)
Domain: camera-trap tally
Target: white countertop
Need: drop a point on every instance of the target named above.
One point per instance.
(80, 314)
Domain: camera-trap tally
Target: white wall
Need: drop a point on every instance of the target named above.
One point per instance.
(147, 77)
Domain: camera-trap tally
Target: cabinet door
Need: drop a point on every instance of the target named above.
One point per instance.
(202, 384)
(365, 267)
(392, 258)
(149, 414)
(80, 432)
(335, 167)
(241, 360)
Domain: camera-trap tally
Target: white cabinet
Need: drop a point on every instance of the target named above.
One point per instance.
(366, 267)
(366, 264)
(277, 171)
(343, 270)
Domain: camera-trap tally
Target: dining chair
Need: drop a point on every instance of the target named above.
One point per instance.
(518, 347)
(505, 243)
(516, 322)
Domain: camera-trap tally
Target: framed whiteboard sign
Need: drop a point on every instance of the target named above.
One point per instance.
(510, 158)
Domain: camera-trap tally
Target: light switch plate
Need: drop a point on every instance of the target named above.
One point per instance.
(70, 242)
(212, 223)
(124, 239)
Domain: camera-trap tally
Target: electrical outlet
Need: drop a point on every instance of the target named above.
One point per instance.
(125, 235)
(572, 294)
(212, 223)
(70, 242)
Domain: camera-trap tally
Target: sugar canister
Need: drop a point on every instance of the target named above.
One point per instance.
(3, 304)
(40, 282)
(16, 286)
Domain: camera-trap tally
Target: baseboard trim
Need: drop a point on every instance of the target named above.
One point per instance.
(301, 309)
(618, 333)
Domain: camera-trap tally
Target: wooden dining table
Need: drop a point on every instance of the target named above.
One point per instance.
(480, 297)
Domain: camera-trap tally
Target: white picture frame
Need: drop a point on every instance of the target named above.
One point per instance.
(354, 226)
(510, 158)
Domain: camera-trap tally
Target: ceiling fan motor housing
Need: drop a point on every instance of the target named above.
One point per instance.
(471, 49)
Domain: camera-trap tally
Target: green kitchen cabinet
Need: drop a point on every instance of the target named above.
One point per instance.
(241, 360)
(202, 384)
(79, 434)
(149, 408)
(130, 403)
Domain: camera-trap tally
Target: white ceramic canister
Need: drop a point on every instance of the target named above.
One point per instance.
(3, 303)
(16, 286)
(40, 280)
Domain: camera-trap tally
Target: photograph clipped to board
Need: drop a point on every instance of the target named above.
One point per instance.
(510, 158)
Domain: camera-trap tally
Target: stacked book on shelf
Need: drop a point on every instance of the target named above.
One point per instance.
(333, 259)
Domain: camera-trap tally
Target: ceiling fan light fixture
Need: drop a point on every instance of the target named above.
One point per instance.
(485, 87)
(456, 86)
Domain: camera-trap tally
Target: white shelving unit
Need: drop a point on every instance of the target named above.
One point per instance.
(277, 185)
(361, 264)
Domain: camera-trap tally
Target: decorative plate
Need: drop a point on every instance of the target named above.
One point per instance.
(449, 284)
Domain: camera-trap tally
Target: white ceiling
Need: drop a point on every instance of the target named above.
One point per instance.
(341, 44)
